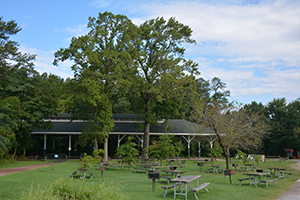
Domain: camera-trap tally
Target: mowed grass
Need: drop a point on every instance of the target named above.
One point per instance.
(138, 186)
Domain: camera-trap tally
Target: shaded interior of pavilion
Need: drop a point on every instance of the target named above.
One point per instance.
(63, 138)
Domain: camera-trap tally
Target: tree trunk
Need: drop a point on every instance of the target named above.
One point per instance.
(95, 144)
(146, 139)
(24, 152)
(15, 152)
(146, 128)
(227, 156)
(105, 156)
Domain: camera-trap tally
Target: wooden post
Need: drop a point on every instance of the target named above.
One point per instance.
(153, 185)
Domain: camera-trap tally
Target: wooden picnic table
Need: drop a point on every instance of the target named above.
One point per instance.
(256, 174)
(115, 165)
(185, 180)
(142, 167)
(172, 173)
(154, 167)
(82, 170)
(279, 171)
(249, 167)
(216, 168)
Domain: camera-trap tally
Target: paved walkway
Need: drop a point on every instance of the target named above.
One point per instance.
(294, 191)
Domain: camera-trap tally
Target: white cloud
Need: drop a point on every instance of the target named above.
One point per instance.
(253, 48)
(43, 63)
(264, 31)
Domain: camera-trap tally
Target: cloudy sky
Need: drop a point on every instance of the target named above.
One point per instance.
(252, 45)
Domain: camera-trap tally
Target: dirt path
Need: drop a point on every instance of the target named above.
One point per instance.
(4, 172)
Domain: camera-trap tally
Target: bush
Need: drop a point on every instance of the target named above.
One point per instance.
(7, 161)
(73, 189)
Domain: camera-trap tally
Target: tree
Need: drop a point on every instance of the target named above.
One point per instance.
(9, 108)
(161, 149)
(283, 120)
(128, 152)
(104, 54)
(159, 58)
(19, 79)
(83, 99)
(234, 128)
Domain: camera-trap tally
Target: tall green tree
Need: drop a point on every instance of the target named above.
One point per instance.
(105, 53)
(8, 115)
(283, 120)
(19, 79)
(160, 64)
(16, 72)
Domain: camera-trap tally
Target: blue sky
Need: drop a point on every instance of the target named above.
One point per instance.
(252, 45)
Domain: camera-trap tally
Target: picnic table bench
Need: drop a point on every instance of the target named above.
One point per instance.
(244, 179)
(171, 174)
(268, 180)
(197, 189)
(142, 167)
(169, 187)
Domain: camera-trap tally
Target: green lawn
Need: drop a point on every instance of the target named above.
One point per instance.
(138, 186)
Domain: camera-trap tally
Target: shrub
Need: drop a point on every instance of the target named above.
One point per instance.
(7, 161)
(73, 189)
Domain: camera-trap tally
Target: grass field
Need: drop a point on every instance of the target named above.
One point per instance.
(137, 186)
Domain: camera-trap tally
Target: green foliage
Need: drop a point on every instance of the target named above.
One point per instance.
(240, 155)
(73, 189)
(159, 76)
(178, 148)
(128, 151)
(161, 149)
(86, 161)
(216, 151)
(283, 119)
(101, 65)
(257, 158)
(6, 159)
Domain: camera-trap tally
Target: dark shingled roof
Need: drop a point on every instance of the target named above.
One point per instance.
(176, 126)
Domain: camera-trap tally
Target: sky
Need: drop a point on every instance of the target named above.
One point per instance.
(251, 45)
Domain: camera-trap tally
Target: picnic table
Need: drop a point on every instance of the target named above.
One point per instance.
(216, 168)
(142, 167)
(115, 165)
(249, 167)
(156, 167)
(255, 175)
(279, 171)
(82, 170)
(172, 173)
(186, 181)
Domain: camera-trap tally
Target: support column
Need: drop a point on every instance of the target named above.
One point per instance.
(199, 146)
(105, 156)
(53, 137)
(141, 140)
(45, 145)
(75, 150)
(211, 141)
(119, 140)
(189, 139)
(70, 145)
